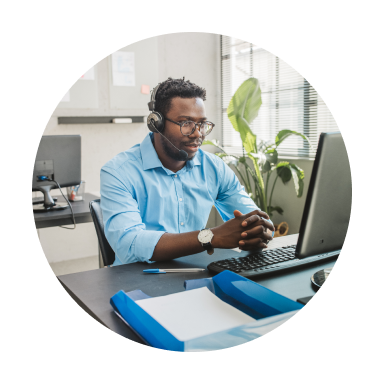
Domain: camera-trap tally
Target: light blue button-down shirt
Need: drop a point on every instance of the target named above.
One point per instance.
(141, 200)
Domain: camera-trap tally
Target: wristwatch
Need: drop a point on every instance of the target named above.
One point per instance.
(205, 237)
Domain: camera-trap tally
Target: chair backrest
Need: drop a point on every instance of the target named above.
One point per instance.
(107, 252)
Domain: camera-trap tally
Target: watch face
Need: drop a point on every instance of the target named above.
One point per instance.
(205, 236)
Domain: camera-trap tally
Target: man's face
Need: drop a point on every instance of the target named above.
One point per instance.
(181, 110)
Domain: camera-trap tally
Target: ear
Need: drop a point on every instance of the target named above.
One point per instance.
(155, 122)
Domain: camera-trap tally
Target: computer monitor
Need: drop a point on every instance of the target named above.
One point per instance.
(59, 159)
(327, 208)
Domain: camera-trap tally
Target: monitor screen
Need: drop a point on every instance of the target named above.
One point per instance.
(59, 158)
(58, 163)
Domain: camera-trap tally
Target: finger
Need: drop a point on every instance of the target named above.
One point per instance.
(248, 245)
(267, 236)
(263, 214)
(237, 213)
(258, 213)
(268, 224)
(254, 232)
(250, 220)
(258, 232)
(260, 221)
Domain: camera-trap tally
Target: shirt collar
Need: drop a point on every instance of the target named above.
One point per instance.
(195, 160)
(151, 159)
(149, 154)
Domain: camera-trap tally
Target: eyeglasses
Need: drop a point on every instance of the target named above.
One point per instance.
(188, 127)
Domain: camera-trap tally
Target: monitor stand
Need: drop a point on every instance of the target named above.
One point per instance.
(48, 204)
(40, 200)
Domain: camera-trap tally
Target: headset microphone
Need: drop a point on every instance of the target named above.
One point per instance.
(183, 154)
(155, 122)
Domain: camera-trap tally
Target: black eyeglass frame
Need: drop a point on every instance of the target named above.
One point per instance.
(194, 129)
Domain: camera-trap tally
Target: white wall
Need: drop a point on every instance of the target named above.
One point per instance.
(193, 55)
(197, 57)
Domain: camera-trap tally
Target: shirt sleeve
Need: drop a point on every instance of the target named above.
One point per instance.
(232, 195)
(123, 226)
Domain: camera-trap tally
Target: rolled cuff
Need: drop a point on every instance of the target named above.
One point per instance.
(142, 247)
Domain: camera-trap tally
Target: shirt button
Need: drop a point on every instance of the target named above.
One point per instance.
(181, 223)
(175, 175)
(180, 199)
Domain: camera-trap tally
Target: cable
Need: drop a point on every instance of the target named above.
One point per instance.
(45, 178)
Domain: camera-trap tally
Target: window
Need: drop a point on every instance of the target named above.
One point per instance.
(289, 101)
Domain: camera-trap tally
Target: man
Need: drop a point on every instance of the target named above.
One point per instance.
(156, 197)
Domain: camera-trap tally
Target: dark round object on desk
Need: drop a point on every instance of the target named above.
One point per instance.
(319, 277)
(56, 207)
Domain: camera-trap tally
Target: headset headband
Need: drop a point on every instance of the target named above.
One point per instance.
(151, 104)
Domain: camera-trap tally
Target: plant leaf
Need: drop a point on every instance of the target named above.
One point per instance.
(215, 143)
(261, 158)
(246, 101)
(285, 174)
(285, 133)
(243, 109)
(229, 160)
(253, 175)
(266, 166)
(278, 209)
(271, 156)
(298, 177)
(211, 142)
(287, 171)
(247, 136)
(283, 171)
(242, 159)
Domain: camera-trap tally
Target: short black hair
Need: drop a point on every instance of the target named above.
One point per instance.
(171, 88)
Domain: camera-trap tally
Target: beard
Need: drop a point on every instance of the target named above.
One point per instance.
(172, 152)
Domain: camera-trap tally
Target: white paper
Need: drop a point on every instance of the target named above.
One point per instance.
(89, 75)
(236, 249)
(239, 335)
(66, 98)
(195, 313)
(123, 68)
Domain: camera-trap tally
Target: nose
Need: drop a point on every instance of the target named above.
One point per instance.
(197, 133)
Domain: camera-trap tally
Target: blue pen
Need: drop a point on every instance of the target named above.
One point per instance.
(174, 270)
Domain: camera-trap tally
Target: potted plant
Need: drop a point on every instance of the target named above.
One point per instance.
(260, 160)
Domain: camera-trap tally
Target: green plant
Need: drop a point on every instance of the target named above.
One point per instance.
(242, 110)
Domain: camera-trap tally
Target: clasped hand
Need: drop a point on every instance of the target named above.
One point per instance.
(248, 232)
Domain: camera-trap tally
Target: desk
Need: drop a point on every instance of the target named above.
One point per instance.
(64, 216)
(93, 289)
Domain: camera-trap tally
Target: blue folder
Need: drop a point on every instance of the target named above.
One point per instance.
(268, 308)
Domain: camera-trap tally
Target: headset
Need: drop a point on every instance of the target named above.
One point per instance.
(155, 120)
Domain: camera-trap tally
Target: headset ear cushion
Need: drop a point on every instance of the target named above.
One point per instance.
(155, 122)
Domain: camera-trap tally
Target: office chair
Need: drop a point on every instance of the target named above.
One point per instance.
(107, 252)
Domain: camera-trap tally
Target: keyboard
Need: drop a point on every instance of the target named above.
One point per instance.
(268, 262)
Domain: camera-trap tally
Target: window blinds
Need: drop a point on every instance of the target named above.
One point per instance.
(288, 100)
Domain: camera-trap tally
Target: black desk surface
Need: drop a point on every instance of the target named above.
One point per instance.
(64, 216)
(93, 289)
